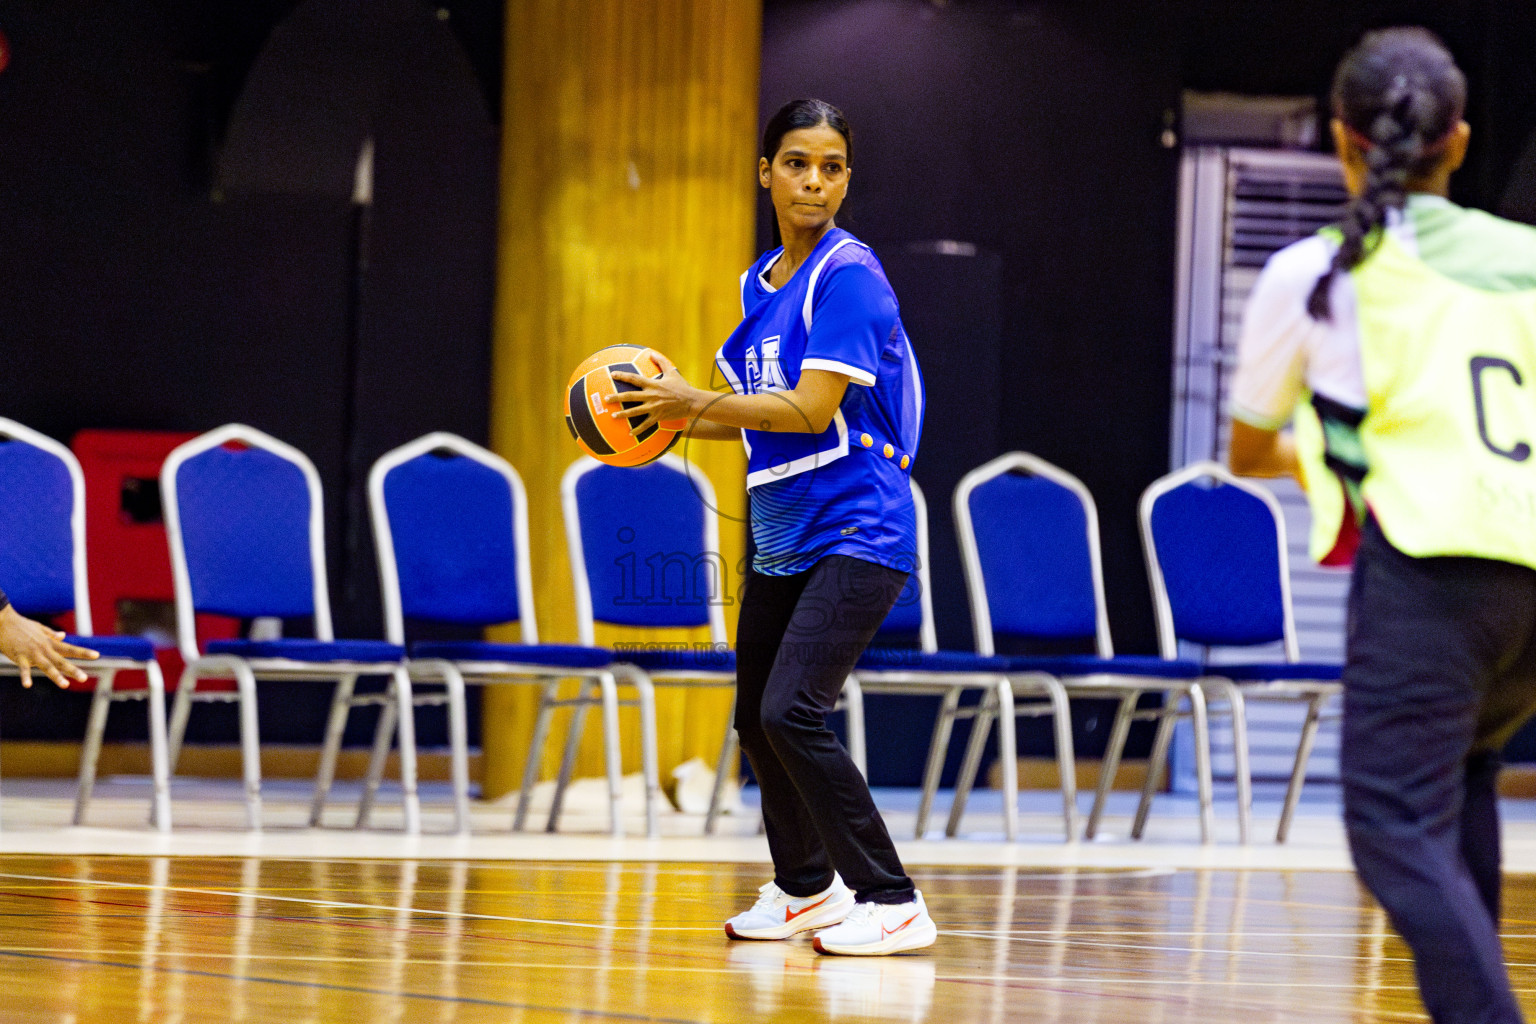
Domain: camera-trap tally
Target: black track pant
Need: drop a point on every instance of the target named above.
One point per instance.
(796, 642)
(1441, 671)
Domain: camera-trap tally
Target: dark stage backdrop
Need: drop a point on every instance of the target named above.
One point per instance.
(183, 250)
(1008, 168)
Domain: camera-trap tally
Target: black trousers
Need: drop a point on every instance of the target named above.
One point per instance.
(797, 639)
(1441, 671)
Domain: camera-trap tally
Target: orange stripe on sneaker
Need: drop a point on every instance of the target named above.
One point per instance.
(790, 915)
(899, 927)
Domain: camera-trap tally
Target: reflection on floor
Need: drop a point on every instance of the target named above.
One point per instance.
(219, 939)
(214, 922)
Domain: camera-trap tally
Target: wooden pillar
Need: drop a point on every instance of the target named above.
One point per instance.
(627, 191)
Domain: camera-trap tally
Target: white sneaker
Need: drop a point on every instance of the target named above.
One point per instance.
(778, 915)
(875, 929)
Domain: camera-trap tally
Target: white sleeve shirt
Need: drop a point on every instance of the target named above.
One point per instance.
(1282, 350)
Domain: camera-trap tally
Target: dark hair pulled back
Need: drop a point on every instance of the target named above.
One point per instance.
(1400, 94)
(804, 113)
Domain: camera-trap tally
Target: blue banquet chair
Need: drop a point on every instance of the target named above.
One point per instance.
(892, 665)
(1029, 541)
(644, 547)
(245, 522)
(450, 527)
(43, 566)
(1216, 558)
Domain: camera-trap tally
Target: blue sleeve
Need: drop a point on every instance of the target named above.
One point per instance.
(852, 317)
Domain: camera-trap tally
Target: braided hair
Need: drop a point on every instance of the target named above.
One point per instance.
(1400, 96)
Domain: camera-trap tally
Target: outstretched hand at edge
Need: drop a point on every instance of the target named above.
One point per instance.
(32, 645)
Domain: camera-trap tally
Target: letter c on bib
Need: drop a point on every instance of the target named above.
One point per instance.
(1521, 451)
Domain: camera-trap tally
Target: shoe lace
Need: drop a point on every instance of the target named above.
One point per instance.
(767, 895)
(862, 913)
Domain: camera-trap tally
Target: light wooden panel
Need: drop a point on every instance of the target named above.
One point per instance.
(626, 216)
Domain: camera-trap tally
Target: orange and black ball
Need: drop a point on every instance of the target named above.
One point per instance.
(587, 410)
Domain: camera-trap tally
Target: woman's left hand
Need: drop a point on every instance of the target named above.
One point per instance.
(659, 399)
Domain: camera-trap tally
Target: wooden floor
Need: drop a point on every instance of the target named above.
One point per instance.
(191, 939)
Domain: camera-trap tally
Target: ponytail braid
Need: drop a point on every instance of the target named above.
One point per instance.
(1399, 95)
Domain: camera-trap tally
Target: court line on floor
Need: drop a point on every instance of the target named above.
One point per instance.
(357, 989)
(1086, 873)
(1054, 985)
(1069, 938)
(983, 872)
(394, 925)
(990, 851)
(976, 933)
(807, 970)
(386, 908)
(347, 905)
(465, 915)
(1277, 934)
(377, 925)
(475, 916)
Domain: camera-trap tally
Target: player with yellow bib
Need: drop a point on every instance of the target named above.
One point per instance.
(1402, 343)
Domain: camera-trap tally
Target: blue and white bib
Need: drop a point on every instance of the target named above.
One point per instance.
(844, 490)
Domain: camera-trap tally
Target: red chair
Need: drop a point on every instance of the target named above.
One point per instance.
(127, 560)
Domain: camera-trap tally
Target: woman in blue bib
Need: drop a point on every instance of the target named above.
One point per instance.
(826, 395)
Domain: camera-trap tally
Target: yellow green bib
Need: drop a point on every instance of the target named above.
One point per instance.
(1450, 424)
(1443, 455)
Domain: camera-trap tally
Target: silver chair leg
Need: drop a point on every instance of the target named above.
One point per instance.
(1008, 755)
(1113, 750)
(729, 751)
(568, 752)
(853, 713)
(181, 709)
(981, 724)
(250, 743)
(1299, 770)
(1158, 761)
(1203, 764)
(458, 744)
(551, 691)
(336, 722)
(608, 690)
(378, 757)
(95, 728)
(404, 697)
(938, 748)
(650, 766)
(729, 748)
(1066, 755)
(159, 759)
(1233, 695)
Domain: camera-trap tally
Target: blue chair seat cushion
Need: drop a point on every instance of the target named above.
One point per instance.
(1141, 665)
(132, 648)
(298, 649)
(704, 658)
(1309, 671)
(905, 659)
(550, 655)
